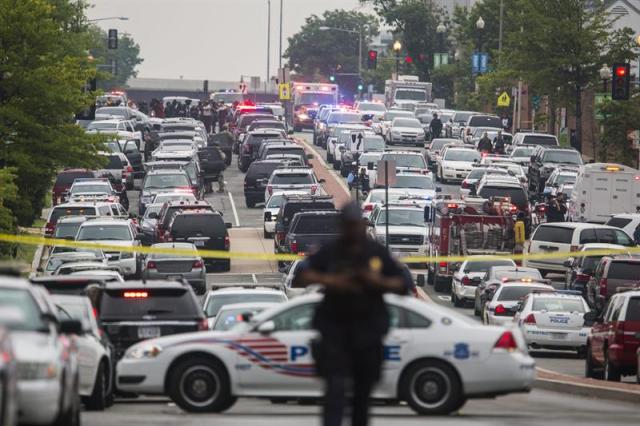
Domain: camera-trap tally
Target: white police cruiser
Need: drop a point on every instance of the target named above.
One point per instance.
(435, 359)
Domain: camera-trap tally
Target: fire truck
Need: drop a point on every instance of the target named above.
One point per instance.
(469, 226)
(307, 98)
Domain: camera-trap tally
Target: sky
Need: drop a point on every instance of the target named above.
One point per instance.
(208, 39)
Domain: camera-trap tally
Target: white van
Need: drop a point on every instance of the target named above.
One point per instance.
(602, 190)
(566, 237)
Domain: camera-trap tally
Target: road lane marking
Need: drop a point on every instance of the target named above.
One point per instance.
(233, 208)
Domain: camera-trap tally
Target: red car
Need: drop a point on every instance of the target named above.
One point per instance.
(614, 338)
(64, 180)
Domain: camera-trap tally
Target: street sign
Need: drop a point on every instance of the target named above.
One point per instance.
(391, 170)
(479, 62)
(504, 100)
(284, 90)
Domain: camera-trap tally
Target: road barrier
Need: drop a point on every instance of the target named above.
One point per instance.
(220, 254)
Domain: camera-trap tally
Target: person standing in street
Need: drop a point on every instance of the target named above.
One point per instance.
(206, 117)
(556, 209)
(485, 145)
(435, 127)
(498, 143)
(352, 318)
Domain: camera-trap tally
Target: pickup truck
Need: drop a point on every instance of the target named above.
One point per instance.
(311, 229)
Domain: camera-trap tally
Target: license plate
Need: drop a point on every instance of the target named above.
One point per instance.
(148, 332)
(174, 277)
(199, 243)
(559, 336)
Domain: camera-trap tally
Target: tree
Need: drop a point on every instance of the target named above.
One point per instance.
(127, 57)
(43, 68)
(8, 193)
(620, 117)
(314, 53)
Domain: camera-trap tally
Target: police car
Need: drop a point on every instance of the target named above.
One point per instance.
(435, 359)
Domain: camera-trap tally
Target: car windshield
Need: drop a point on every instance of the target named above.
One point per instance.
(406, 160)
(316, 225)
(484, 266)
(513, 293)
(163, 198)
(540, 140)
(461, 155)
(67, 230)
(149, 304)
(59, 212)
(99, 187)
(392, 115)
(317, 99)
(292, 179)
(411, 95)
(19, 311)
(214, 303)
(152, 210)
(522, 152)
(557, 304)
(166, 181)
(407, 122)
(399, 217)
(231, 317)
(371, 107)
(413, 182)
(369, 158)
(275, 202)
(105, 232)
(374, 143)
(174, 146)
(345, 117)
(102, 125)
(571, 157)
(564, 178)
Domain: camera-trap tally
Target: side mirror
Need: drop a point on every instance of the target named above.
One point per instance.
(266, 327)
(456, 266)
(438, 189)
(228, 225)
(267, 217)
(516, 307)
(246, 316)
(370, 165)
(71, 326)
(40, 269)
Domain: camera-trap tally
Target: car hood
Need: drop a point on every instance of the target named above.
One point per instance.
(31, 346)
(452, 163)
(395, 229)
(112, 243)
(183, 338)
(407, 129)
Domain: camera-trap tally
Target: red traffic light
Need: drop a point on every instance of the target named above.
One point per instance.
(620, 71)
(408, 60)
(373, 54)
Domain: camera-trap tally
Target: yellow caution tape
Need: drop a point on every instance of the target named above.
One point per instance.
(221, 254)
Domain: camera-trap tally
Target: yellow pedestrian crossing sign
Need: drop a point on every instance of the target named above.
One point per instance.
(504, 100)
(284, 91)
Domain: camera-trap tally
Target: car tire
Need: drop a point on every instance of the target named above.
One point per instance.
(97, 401)
(216, 397)
(70, 416)
(432, 388)
(329, 158)
(225, 265)
(590, 369)
(439, 285)
(267, 235)
(476, 311)
(611, 372)
(458, 303)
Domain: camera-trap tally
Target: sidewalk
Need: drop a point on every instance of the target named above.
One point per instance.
(550, 380)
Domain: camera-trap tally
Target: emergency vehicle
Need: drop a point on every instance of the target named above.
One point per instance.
(434, 359)
(307, 97)
(602, 190)
(471, 226)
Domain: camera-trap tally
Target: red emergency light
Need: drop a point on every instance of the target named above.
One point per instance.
(135, 294)
(620, 71)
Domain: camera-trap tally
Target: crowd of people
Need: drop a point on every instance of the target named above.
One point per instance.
(210, 112)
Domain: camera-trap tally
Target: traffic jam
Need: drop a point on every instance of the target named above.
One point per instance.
(132, 297)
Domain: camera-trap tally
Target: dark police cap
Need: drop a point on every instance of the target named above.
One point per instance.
(351, 213)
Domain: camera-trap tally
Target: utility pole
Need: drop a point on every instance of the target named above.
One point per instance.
(266, 82)
(500, 35)
(280, 57)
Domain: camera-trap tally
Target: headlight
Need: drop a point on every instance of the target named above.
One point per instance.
(303, 117)
(37, 371)
(395, 133)
(144, 351)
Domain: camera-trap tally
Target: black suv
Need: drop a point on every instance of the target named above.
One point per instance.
(251, 145)
(309, 230)
(544, 161)
(134, 311)
(203, 228)
(255, 181)
(292, 204)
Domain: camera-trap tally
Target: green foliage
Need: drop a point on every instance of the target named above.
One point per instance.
(619, 118)
(8, 193)
(43, 67)
(315, 53)
(127, 56)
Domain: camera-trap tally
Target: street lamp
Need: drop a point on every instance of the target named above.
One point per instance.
(480, 27)
(359, 32)
(397, 47)
(605, 75)
(110, 18)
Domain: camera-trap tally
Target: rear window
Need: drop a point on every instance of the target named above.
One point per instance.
(317, 224)
(557, 304)
(68, 178)
(553, 234)
(166, 181)
(345, 118)
(539, 140)
(517, 195)
(618, 222)
(633, 310)
(605, 236)
(485, 121)
(624, 270)
(484, 266)
(293, 208)
(292, 179)
(217, 302)
(115, 162)
(58, 212)
(67, 230)
(256, 140)
(149, 304)
(198, 225)
(288, 150)
(516, 292)
(262, 169)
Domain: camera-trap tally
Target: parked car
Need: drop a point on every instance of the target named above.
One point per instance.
(499, 310)
(63, 182)
(544, 161)
(294, 179)
(255, 180)
(181, 266)
(159, 181)
(581, 266)
(464, 282)
(217, 299)
(611, 273)
(8, 378)
(487, 285)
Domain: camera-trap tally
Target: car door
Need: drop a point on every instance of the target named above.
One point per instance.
(280, 362)
(600, 330)
(551, 239)
(133, 154)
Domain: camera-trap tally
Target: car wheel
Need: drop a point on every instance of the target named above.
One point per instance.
(611, 372)
(432, 387)
(476, 311)
(458, 303)
(70, 416)
(267, 235)
(97, 401)
(439, 284)
(590, 369)
(200, 385)
(329, 158)
(225, 265)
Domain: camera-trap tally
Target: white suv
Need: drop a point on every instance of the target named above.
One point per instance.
(408, 235)
(295, 179)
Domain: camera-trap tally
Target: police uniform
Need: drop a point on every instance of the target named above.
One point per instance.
(351, 326)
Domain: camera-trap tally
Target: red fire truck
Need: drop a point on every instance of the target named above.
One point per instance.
(470, 226)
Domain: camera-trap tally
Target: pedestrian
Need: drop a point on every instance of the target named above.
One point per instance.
(352, 318)
(206, 117)
(556, 209)
(221, 183)
(364, 181)
(498, 143)
(214, 116)
(351, 178)
(222, 116)
(505, 122)
(485, 145)
(435, 127)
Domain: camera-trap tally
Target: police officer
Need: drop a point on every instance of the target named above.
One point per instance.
(435, 127)
(498, 143)
(556, 209)
(352, 318)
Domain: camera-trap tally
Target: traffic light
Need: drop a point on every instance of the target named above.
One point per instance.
(408, 59)
(621, 83)
(112, 41)
(372, 60)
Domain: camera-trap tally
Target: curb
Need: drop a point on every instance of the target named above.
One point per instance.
(587, 390)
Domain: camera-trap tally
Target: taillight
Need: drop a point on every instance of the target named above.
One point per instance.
(314, 188)
(466, 280)
(197, 264)
(280, 236)
(129, 169)
(151, 265)
(443, 266)
(270, 189)
(227, 243)
(367, 207)
(530, 319)
(294, 246)
(464, 184)
(49, 229)
(583, 278)
(513, 208)
(500, 310)
(506, 342)
(203, 325)
(603, 287)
